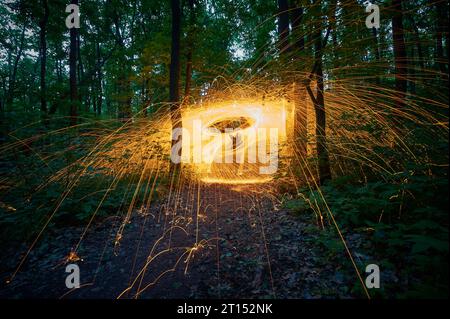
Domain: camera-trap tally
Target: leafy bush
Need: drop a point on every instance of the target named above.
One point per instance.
(403, 218)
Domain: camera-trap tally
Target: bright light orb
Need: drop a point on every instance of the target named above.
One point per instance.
(223, 125)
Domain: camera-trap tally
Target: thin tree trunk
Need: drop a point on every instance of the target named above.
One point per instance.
(296, 21)
(12, 79)
(58, 70)
(318, 100)
(399, 52)
(377, 53)
(441, 31)
(283, 26)
(99, 81)
(144, 95)
(175, 54)
(187, 88)
(300, 121)
(412, 73)
(43, 55)
(418, 44)
(174, 85)
(299, 94)
(94, 98)
(319, 107)
(333, 23)
(73, 73)
(124, 105)
(80, 70)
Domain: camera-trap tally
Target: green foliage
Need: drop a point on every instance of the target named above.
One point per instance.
(33, 195)
(404, 220)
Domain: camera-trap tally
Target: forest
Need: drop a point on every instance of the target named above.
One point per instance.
(289, 149)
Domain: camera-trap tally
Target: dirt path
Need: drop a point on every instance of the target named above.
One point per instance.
(229, 242)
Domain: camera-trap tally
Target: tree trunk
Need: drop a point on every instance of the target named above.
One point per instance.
(124, 105)
(333, 22)
(187, 88)
(296, 21)
(283, 26)
(43, 55)
(399, 52)
(12, 78)
(174, 85)
(299, 94)
(99, 81)
(146, 99)
(418, 44)
(94, 99)
(441, 31)
(377, 53)
(318, 99)
(80, 70)
(412, 73)
(73, 73)
(319, 107)
(300, 121)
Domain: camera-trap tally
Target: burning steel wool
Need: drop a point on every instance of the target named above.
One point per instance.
(236, 141)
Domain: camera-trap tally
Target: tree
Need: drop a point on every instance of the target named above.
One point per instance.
(99, 97)
(318, 98)
(190, 48)
(43, 54)
(299, 94)
(73, 72)
(174, 80)
(283, 26)
(15, 64)
(400, 57)
(442, 10)
(123, 81)
(296, 23)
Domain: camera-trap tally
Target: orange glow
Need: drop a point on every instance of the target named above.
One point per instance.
(246, 117)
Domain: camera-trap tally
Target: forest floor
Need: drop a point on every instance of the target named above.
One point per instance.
(247, 248)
